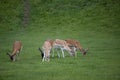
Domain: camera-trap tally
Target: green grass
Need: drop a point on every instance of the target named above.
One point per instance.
(102, 60)
(95, 23)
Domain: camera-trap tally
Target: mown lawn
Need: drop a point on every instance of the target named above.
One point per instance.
(101, 62)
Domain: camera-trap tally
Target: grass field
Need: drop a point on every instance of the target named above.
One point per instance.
(95, 23)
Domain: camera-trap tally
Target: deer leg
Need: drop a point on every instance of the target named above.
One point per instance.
(58, 52)
(43, 57)
(62, 53)
(53, 52)
(75, 51)
(14, 58)
(48, 58)
(17, 55)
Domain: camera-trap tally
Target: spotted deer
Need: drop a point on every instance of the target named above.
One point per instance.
(17, 46)
(45, 51)
(62, 45)
(75, 45)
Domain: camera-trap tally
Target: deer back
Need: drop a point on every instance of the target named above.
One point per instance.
(16, 47)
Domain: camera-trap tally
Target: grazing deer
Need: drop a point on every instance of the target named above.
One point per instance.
(75, 45)
(17, 46)
(62, 45)
(45, 51)
(52, 49)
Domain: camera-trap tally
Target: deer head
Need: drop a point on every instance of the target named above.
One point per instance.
(84, 51)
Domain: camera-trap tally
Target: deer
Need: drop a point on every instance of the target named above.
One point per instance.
(62, 45)
(75, 45)
(45, 51)
(50, 45)
(17, 47)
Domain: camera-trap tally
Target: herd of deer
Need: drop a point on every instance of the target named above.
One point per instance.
(71, 46)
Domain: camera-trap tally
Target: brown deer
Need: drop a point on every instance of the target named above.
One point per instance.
(45, 51)
(62, 45)
(17, 46)
(75, 45)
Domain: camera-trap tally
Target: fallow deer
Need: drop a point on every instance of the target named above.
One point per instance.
(17, 46)
(62, 45)
(75, 45)
(45, 51)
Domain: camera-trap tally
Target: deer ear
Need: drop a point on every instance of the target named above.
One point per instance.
(8, 54)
